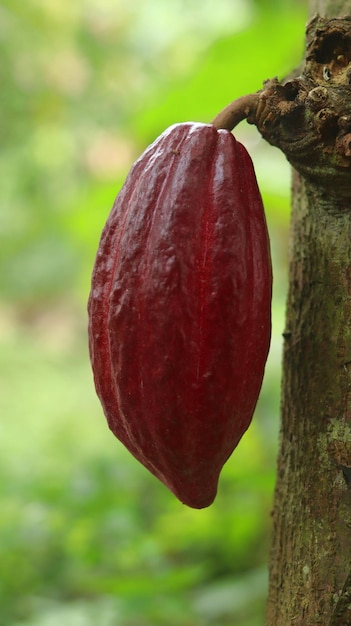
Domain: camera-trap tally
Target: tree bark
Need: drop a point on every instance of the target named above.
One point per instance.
(310, 120)
(311, 551)
(330, 8)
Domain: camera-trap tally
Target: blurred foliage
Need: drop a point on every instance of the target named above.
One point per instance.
(87, 536)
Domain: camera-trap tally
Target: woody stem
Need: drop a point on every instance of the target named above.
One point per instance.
(236, 111)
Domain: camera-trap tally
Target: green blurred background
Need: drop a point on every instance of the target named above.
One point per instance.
(87, 536)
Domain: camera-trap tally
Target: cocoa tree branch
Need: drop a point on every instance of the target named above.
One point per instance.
(309, 119)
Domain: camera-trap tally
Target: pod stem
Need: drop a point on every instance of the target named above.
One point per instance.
(236, 111)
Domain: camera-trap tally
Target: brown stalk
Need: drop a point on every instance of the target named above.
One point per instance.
(236, 111)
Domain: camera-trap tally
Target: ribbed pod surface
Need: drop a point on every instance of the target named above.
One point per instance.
(179, 309)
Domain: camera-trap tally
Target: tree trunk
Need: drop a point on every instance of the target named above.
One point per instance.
(310, 569)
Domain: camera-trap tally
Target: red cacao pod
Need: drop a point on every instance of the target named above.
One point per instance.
(179, 309)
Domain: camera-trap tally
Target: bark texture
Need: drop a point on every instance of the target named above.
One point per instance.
(330, 8)
(311, 551)
(309, 118)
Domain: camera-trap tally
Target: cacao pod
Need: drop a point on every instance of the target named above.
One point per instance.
(179, 309)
